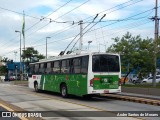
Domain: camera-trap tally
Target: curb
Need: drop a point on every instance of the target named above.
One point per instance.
(134, 99)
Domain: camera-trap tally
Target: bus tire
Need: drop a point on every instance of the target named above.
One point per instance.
(64, 92)
(36, 87)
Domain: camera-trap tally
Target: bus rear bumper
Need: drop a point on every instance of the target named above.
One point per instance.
(104, 91)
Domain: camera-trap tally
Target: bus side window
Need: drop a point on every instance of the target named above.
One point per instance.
(65, 66)
(68, 66)
(36, 69)
(56, 68)
(84, 68)
(31, 69)
(77, 65)
(48, 69)
(42, 68)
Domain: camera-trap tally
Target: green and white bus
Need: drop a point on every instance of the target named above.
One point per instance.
(78, 74)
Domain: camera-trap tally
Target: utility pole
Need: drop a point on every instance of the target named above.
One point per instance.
(81, 39)
(21, 77)
(155, 42)
(15, 53)
(46, 46)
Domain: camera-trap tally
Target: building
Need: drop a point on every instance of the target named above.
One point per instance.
(14, 68)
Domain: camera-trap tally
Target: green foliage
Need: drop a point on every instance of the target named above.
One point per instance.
(6, 60)
(30, 54)
(136, 53)
(3, 70)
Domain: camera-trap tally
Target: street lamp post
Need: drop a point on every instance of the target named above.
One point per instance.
(20, 55)
(89, 44)
(46, 46)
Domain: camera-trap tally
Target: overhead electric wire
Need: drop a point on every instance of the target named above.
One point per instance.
(139, 24)
(79, 33)
(130, 0)
(120, 7)
(107, 9)
(117, 6)
(61, 16)
(49, 14)
(113, 11)
(111, 24)
(35, 17)
(88, 30)
(18, 12)
(122, 20)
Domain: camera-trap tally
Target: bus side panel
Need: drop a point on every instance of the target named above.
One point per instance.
(51, 82)
(77, 84)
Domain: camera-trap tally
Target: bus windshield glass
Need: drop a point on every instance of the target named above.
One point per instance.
(105, 63)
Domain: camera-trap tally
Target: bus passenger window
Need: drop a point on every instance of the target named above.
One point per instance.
(65, 68)
(42, 68)
(36, 69)
(48, 69)
(77, 65)
(56, 68)
(84, 68)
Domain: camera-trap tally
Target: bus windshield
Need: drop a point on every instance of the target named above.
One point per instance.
(105, 63)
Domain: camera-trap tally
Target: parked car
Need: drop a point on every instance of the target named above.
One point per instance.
(9, 78)
(150, 79)
(136, 80)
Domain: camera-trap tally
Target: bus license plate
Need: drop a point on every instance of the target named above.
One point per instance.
(106, 91)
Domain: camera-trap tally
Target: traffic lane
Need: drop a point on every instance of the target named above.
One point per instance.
(47, 101)
(101, 103)
(104, 102)
(39, 102)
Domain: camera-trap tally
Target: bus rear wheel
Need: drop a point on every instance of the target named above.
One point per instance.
(64, 91)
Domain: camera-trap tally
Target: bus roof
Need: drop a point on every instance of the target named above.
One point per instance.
(71, 56)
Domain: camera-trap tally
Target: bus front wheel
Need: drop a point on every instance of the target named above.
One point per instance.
(36, 87)
(64, 91)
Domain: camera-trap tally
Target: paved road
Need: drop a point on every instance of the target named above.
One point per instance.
(28, 100)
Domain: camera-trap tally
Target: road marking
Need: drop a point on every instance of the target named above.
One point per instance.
(11, 110)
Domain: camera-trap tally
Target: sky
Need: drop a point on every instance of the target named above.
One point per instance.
(59, 20)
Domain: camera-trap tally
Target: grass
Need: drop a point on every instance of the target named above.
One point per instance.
(142, 85)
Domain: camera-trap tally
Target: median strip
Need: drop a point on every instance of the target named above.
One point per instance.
(133, 99)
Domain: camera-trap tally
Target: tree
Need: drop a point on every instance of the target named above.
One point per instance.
(3, 70)
(6, 60)
(136, 53)
(31, 55)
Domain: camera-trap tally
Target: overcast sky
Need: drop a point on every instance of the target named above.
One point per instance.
(54, 18)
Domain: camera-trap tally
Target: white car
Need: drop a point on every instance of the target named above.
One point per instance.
(150, 79)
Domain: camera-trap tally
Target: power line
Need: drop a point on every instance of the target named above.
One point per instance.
(123, 19)
(34, 17)
(61, 16)
(18, 13)
(49, 15)
(120, 6)
(131, 0)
